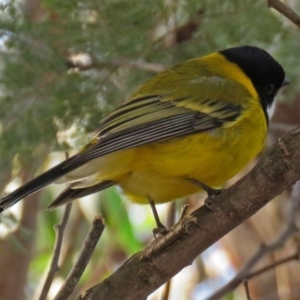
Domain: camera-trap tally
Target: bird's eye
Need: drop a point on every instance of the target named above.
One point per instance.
(270, 89)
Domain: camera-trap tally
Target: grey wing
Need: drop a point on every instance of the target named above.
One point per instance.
(142, 121)
(115, 134)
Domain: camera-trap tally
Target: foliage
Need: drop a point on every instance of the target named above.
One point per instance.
(40, 94)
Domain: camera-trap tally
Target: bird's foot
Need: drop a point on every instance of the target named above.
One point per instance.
(160, 229)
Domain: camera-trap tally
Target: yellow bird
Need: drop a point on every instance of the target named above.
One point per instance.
(200, 122)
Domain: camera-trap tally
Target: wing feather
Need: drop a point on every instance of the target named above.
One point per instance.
(159, 122)
(144, 120)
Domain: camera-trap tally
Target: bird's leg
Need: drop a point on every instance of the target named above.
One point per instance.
(161, 229)
(210, 191)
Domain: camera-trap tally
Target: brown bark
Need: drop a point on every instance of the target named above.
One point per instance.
(278, 169)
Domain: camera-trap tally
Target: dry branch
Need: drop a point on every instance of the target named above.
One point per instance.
(285, 10)
(84, 256)
(295, 256)
(54, 267)
(279, 242)
(163, 258)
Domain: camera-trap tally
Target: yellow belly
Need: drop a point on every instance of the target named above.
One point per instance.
(159, 170)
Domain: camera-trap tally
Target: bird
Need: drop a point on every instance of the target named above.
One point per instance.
(188, 129)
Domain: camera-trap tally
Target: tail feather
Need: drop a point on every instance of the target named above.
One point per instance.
(70, 194)
(42, 180)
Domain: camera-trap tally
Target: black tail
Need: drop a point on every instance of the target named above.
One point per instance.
(43, 180)
(70, 194)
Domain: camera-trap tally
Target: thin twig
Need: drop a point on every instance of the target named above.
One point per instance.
(246, 285)
(56, 252)
(289, 231)
(285, 10)
(93, 63)
(85, 254)
(295, 256)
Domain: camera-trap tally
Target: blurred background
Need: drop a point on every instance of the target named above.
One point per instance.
(63, 66)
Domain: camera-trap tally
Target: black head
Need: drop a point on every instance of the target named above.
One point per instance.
(266, 74)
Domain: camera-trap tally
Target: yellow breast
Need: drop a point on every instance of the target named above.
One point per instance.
(158, 170)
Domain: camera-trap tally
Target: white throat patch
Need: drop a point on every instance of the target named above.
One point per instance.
(271, 109)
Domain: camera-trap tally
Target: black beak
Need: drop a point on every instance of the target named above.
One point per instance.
(285, 82)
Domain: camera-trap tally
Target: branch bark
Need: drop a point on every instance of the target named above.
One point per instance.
(82, 261)
(295, 256)
(54, 267)
(287, 233)
(166, 256)
(85, 62)
(285, 10)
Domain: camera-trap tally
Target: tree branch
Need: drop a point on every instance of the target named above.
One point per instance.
(85, 254)
(166, 256)
(289, 231)
(85, 62)
(285, 10)
(56, 252)
(295, 256)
